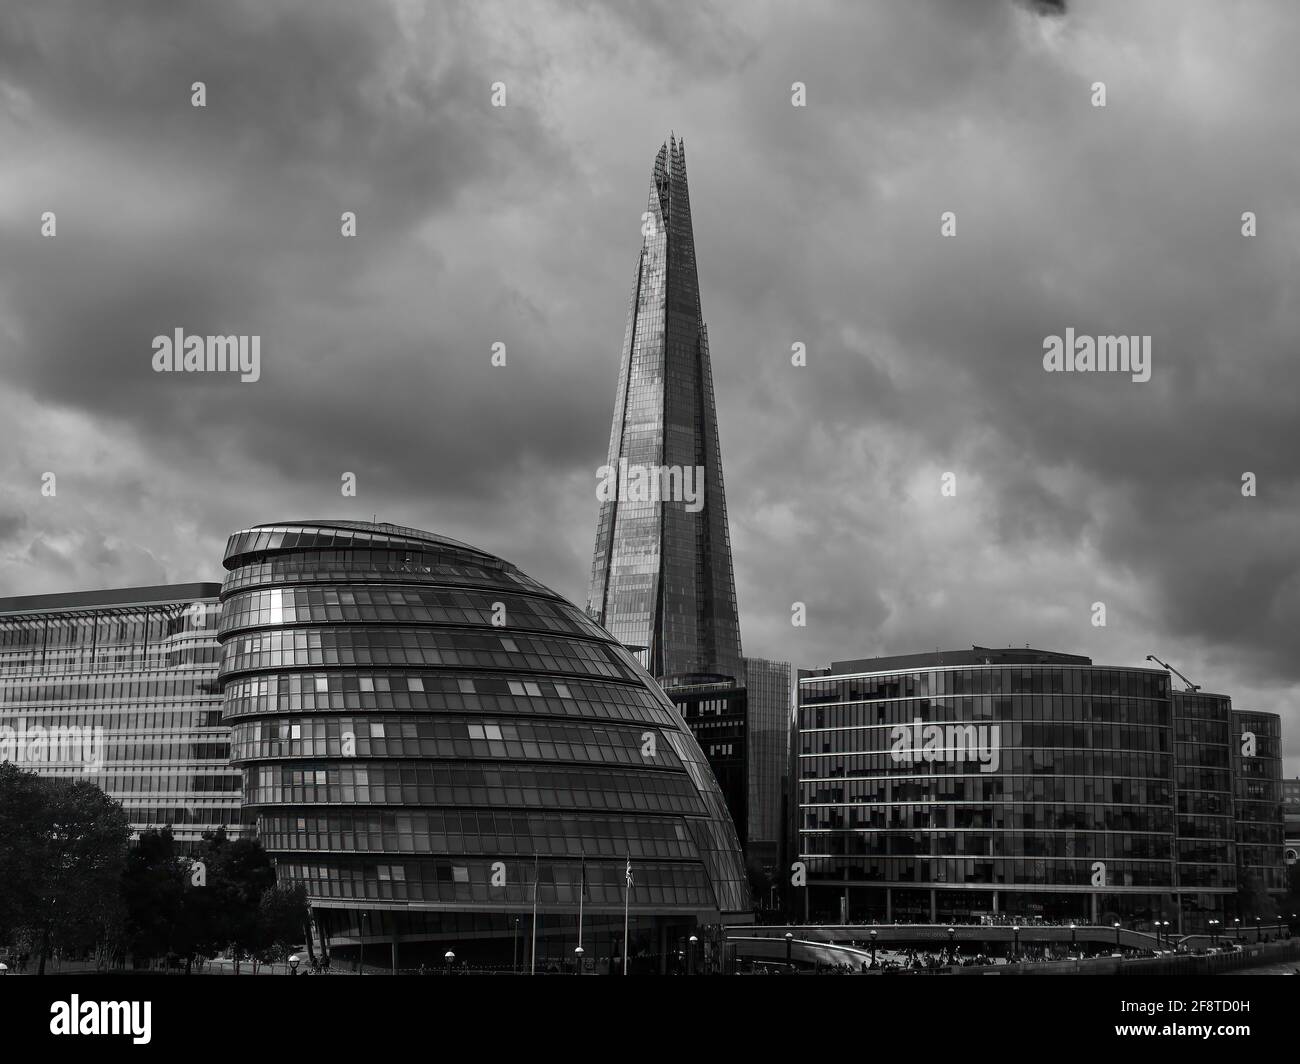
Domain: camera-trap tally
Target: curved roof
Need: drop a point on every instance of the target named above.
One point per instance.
(277, 536)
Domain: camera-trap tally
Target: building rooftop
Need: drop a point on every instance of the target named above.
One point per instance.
(934, 659)
(121, 596)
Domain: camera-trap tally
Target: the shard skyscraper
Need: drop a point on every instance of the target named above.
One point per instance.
(661, 578)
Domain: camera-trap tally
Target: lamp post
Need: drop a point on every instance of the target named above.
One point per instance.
(1257, 930)
(293, 964)
(1117, 934)
(873, 949)
(514, 961)
(577, 960)
(789, 949)
(1214, 933)
(952, 934)
(1236, 928)
(690, 960)
(1015, 940)
(450, 958)
(1074, 938)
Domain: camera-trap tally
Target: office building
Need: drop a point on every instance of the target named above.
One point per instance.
(120, 688)
(957, 785)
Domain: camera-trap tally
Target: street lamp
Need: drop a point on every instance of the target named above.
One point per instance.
(577, 960)
(1117, 934)
(1257, 930)
(514, 962)
(690, 963)
(1214, 933)
(873, 949)
(789, 949)
(450, 958)
(294, 961)
(1074, 938)
(1015, 938)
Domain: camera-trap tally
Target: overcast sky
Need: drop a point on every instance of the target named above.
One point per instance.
(818, 225)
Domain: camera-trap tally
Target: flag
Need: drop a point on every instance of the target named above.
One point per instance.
(629, 871)
(584, 878)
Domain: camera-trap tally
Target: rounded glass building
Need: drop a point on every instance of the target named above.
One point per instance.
(436, 745)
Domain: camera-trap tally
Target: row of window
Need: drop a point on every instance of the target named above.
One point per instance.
(477, 831)
(118, 783)
(988, 680)
(117, 751)
(990, 788)
(403, 646)
(199, 722)
(433, 692)
(1052, 708)
(154, 624)
(447, 882)
(1039, 871)
(451, 737)
(1005, 735)
(169, 686)
(1037, 817)
(1050, 762)
(481, 785)
(409, 605)
(1073, 844)
(378, 566)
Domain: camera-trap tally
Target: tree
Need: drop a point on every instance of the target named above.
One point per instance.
(1253, 898)
(153, 888)
(62, 846)
(283, 916)
(239, 872)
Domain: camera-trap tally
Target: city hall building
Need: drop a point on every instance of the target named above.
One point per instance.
(120, 688)
(437, 746)
(1031, 784)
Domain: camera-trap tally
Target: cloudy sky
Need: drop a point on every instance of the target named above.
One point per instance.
(818, 225)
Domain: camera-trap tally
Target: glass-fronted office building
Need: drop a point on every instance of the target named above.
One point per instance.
(433, 743)
(959, 785)
(1257, 781)
(1291, 820)
(1203, 787)
(120, 688)
(768, 695)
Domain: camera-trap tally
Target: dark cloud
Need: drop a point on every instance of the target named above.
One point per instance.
(820, 225)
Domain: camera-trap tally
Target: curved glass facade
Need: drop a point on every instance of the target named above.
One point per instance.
(430, 739)
(952, 792)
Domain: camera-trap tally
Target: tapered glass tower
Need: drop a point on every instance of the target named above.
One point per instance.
(661, 577)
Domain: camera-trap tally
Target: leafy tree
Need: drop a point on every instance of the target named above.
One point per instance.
(239, 872)
(62, 847)
(283, 917)
(153, 889)
(1253, 898)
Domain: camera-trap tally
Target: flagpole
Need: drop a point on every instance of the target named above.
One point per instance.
(627, 896)
(582, 891)
(532, 965)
